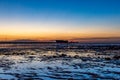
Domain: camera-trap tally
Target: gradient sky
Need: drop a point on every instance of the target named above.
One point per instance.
(59, 19)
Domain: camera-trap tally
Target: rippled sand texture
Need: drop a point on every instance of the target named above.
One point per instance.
(62, 64)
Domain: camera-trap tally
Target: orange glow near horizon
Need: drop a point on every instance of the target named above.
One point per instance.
(54, 36)
(52, 31)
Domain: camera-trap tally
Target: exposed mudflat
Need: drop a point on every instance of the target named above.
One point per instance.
(62, 64)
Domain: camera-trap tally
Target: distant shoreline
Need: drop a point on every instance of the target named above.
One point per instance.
(11, 42)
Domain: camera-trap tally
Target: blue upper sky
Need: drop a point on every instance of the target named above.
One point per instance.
(83, 7)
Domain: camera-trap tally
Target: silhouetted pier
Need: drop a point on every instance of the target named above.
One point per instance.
(24, 42)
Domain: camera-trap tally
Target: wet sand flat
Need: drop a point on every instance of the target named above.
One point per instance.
(59, 64)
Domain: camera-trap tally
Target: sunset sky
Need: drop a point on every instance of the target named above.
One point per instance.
(59, 19)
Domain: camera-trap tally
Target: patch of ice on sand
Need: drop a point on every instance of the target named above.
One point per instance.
(6, 76)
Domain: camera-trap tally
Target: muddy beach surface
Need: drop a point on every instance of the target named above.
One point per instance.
(59, 64)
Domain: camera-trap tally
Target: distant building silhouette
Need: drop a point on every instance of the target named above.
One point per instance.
(61, 41)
